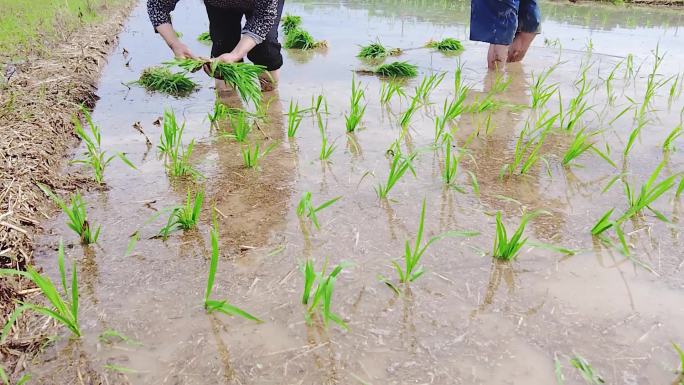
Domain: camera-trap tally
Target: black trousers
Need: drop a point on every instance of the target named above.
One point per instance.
(225, 28)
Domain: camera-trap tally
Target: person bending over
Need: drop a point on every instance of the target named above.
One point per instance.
(231, 42)
(509, 26)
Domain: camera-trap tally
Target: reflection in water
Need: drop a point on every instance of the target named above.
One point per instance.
(499, 271)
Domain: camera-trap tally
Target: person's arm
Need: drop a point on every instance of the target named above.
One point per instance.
(256, 28)
(159, 12)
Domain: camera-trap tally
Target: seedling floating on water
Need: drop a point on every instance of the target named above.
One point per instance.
(161, 79)
(76, 212)
(412, 270)
(356, 113)
(587, 372)
(507, 249)
(298, 38)
(446, 45)
(400, 164)
(95, 157)
(377, 51)
(204, 37)
(397, 69)
(212, 305)
(320, 300)
(294, 119)
(307, 208)
(184, 217)
(251, 155)
(63, 307)
(290, 23)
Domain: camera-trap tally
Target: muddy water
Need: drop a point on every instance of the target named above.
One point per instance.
(468, 320)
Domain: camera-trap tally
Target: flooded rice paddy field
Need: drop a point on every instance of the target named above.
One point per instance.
(468, 319)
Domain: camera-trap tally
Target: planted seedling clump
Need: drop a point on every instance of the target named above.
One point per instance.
(446, 45)
(161, 79)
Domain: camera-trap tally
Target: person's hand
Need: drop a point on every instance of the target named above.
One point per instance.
(181, 51)
(229, 57)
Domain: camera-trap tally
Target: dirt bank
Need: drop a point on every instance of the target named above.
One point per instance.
(39, 98)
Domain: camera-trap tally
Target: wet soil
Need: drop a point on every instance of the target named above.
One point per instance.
(468, 320)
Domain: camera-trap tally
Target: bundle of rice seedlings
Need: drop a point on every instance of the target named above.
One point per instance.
(377, 51)
(244, 77)
(300, 39)
(397, 69)
(446, 45)
(161, 79)
(290, 23)
(204, 37)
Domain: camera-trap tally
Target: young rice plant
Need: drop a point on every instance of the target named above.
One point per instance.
(308, 209)
(184, 217)
(78, 218)
(319, 300)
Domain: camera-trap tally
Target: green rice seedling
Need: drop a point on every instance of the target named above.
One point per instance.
(298, 38)
(648, 193)
(212, 305)
(527, 153)
(318, 105)
(577, 107)
(327, 148)
(501, 83)
(587, 372)
(184, 217)
(161, 79)
(446, 45)
(63, 308)
(294, 119)
(241, 125)
(389, 89)
(429, 84)
(579, 146)
(397, 69)
(204, 37)
(507, 249)
(629, 67)
(451, 162)
(680, 352)
(5, 380)
(676, 89)
(400, 164)
(412, 269)
(405, 119)
(171, 133)
(609, 84)
(308, 209)
(652, 84)
(77, 215)
(633, 136)
(290, 23)
(668, 144)
(95, 157)
(373, 51)
(454, 108)
(604, 223)
(540, 91)
(243, 77)
(251, 155)
(219, 113)
(178, 162)
(319, 301)
(356, 113)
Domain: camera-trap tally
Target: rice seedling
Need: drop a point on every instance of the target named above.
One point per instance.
(171, 133)
(633, 136)
(241, 125)
(629, 67)
(178, 161)
(219, 113)
(161, 79)
(648, 193)
(184, 217)
(609, 84)
(212, 305)
(204, 37)
(507, 249)
(327, 148)
(408, 114)
(356, 113)
(676, 89)
(680, 353)
(5, 380)
(581, 144)
(454, 108)
(389, 89)
(251, 154)
(308, 209)
(318, 104)
(397, 69)
(63, 308)
(587, 372)
(446, 45)
(76, 214)
(298, 38)
(527, 153)
(429, 84)
(373, 51)
(412, 269)
(604, 223)
(652, 84)
(95, 157)
(294, 119)
(668, 144)
(577, 107)
(319, 301)
(450, 163)
(501, 83)
(540, 91)
(290, 23)
(400, 164)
